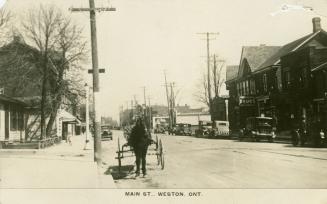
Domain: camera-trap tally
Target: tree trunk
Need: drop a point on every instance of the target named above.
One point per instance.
(52, 119)
(43, 100)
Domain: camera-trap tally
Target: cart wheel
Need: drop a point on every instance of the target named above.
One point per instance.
(158, 152)
(162, 159)
(119, 157)
(156, 142)
(158, 158)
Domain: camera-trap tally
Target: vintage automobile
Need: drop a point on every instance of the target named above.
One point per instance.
(221, 129)
(205, 129)
(183, 129)
(106, 133)
(258, 128)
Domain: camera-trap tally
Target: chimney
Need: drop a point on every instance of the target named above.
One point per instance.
(316, 24)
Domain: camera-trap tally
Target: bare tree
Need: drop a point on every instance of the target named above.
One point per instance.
(201, 93)
(64, 80)
(5, 17)
(61, 47)
(217, 75)
(217, 80)
(40, 28)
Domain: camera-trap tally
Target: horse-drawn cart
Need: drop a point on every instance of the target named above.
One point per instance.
(155, 148)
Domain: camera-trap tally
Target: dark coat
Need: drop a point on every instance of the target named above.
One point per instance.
(139, 137)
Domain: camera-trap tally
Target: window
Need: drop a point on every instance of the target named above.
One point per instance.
(247, 88)
(287, 79)
(244, 88)
(16, 119)
(238, 89)
(252, 86)
(264, 80)
(21, 121)
(13, 119)
(302, 78)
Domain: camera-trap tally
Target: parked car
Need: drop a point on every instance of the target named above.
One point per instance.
(183, 129)
(106, 133)
(221, 129)
(205, 129)
(258, 128)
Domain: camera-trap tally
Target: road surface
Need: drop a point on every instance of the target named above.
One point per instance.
(211, 163)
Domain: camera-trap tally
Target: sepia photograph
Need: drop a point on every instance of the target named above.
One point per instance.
(163, 100)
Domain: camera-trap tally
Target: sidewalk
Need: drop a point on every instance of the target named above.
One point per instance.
(59, 166)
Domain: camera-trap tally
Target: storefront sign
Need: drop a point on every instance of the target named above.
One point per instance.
(245, 101)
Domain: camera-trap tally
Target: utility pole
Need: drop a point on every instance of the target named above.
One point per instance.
(121, 115)
(208, 66)
(144, 95)
(172, 99)
(95, 72)
(135, 101)
(87, 117)
(132, 108)
(168, 104)
(150, 113)
(145, 111)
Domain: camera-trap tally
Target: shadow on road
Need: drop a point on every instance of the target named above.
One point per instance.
(125, 171)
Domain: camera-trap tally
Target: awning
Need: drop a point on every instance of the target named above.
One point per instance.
(67, 117)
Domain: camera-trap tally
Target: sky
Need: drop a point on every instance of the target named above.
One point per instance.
(144, 37)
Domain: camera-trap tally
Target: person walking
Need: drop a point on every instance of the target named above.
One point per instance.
(139, 140)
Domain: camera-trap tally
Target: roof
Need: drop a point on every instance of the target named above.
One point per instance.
(257, 55)
(8, 99)
(290, 47)
(231, 72)
(320, 67)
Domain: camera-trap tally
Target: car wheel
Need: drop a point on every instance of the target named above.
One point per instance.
(271, 140)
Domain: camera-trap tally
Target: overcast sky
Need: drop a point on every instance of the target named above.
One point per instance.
(144, 37)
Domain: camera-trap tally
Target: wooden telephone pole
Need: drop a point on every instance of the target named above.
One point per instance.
(208, 66)
(95, 72)
(168, 103)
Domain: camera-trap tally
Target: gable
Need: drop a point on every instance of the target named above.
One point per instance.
(256, 55)
(244, 68)
(231, 72)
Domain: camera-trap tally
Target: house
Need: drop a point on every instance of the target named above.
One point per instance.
(12, 119)
(250, 84)
(21, 79)
(66, 124)
(303, 73)
(285, 83)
